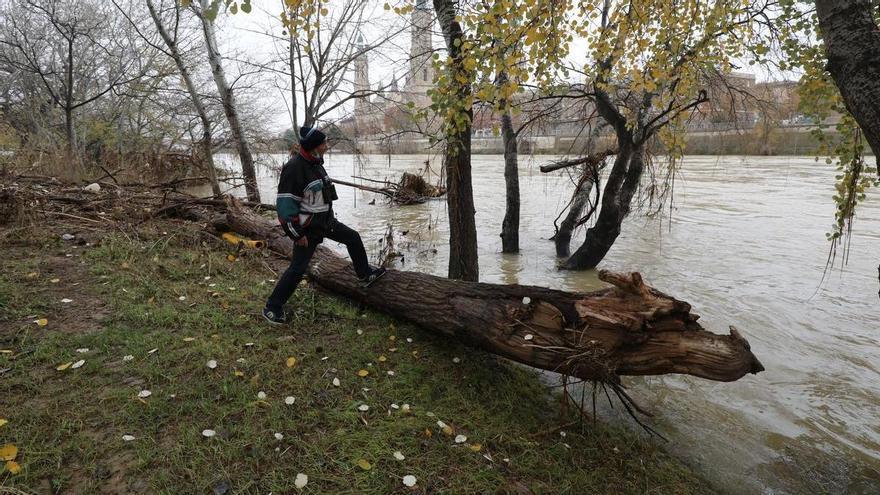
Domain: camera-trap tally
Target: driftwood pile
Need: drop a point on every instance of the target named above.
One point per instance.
(409, 190)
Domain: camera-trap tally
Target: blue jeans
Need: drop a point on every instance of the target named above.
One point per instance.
(339, 232)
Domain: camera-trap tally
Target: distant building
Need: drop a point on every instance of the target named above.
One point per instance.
(390, 107)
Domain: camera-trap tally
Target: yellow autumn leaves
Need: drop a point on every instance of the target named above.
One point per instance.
(8, 453)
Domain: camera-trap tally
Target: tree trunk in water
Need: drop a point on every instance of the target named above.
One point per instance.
(619, 190)
(463, 260)
(579, 201)
(194, 97)
(229, 108)
(510, 225)
(852, 44)
(628, 329)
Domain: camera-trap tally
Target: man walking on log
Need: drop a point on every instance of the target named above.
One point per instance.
(305, 212)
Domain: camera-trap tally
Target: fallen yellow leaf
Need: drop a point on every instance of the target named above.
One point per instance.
(62, 367)
(3, 421)
(382, 359)
(13, 467)
(32, 275)
(392, 338)
(188, 339)
(476, 447)
(364, 464)
(291, 362)
(428, 433)
(55, 280)
(447, 430)
(5, 351)
(363, 373)
(42, 322)
(230, 257)
(238, 373)
(8, 452)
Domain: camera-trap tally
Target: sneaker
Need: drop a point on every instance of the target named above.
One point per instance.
(372, 277)
(275, 318)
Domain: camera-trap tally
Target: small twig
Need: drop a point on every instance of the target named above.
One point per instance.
(71, 216)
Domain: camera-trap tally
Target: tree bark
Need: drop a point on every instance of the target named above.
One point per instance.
(68, 102)
(627, 329)
(852, 44)
(463, 258)
(510, 224)
(207, 138)
(229, 107)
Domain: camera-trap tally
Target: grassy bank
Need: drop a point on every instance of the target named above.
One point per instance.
(149, 308)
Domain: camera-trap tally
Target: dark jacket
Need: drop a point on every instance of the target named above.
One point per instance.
(305, 197)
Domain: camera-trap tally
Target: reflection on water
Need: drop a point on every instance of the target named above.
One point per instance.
(746, 247)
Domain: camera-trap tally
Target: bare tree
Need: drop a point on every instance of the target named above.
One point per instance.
(76, 50)
(227, 97)
(170, 38)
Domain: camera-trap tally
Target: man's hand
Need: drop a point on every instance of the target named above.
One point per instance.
(303, 241)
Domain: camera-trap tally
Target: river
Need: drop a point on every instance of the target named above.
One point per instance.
(746, 246)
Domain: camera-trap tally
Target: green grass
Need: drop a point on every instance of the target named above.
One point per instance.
(68, 425)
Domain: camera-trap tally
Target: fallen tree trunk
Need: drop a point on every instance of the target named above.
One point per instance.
(627, 329)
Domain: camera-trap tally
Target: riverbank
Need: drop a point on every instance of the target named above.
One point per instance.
(154, 305)
(781, 141)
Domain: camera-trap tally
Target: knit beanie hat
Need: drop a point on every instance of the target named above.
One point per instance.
(310, 138)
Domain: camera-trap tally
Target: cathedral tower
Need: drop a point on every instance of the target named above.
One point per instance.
(421, 70)
(361, 80)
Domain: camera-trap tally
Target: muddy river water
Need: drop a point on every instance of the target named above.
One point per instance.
(745, 245)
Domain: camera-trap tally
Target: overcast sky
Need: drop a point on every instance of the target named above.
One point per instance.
(242, 37)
